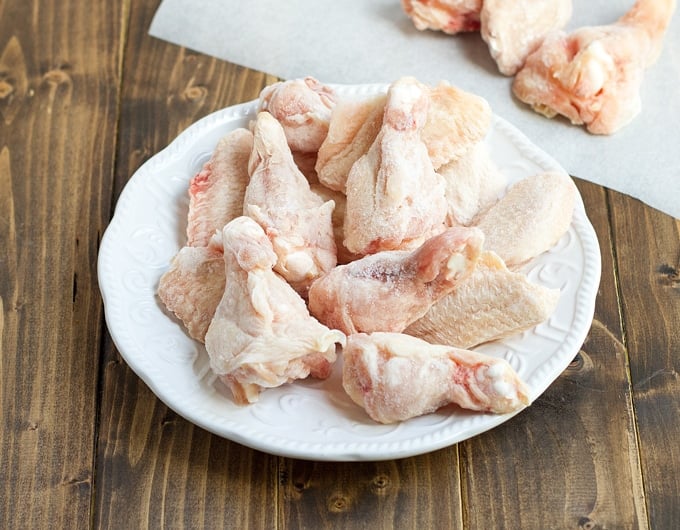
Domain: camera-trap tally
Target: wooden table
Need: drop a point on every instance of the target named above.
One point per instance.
(86, 96)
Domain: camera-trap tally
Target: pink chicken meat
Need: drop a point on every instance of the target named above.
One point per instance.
(262, 335)
(395, 377)
(389, 290)
(593, 75)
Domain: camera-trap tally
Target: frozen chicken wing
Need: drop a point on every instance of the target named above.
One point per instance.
(457, 120)
(395, 199)
(279, 198)
(303, 107)
(449, 16)
(193, 285)
(473, 184)
(353, 128)
(513, 30)
(530, 218)
(593, 75)
(262, 335)
(389, 290)
(216, 192)
(395, 377)
(491, 303)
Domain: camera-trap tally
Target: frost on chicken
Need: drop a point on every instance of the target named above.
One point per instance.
(395, 199)
(262, 335)
(513, 30)
(530, 218)
(388, 290)
(395, 377)
(473, 184)
(449, 16)
(353, 127)
(303, 108)
(279, 198)
(593, 75)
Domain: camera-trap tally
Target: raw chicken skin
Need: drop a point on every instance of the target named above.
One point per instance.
(457, 120)
(279, 198)
(449, 16)
(490, 304)
(395, 200)
(593, 75)
(513, 30)
(389, 290)
(303, 107)
(395, 377)
(193, 285)
(216, 192)
(530, 218)
(473, 184)
(338, 218)
(262, 335)
(353, 128)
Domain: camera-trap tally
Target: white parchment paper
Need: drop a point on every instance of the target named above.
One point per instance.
(367, 41)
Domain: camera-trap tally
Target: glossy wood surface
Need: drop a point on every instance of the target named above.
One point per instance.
(86, 96)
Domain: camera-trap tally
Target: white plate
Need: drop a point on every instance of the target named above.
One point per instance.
(311, 419)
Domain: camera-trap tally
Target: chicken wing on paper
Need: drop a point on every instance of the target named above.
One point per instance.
(395, 199)
(262, 335)
(473, 184)
(303, 107)
(279, 198)
(513, 30)
(395, 377)
(492, 303)
(216, 192)
(193, 286)
(449, 16)
(530, 218)
(593, 75)
(389, 290)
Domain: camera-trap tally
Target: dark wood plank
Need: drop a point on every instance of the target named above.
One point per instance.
(571, 459)
(418, 492)
(648, 259)
(59, 87)
(155, 469)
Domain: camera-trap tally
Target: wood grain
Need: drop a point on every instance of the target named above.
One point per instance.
(86, 97)
(155, 469)
(59, 86)
(647, 246)
(393, 494)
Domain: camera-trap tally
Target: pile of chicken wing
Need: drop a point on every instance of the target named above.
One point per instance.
(373, 227)
(591, 76)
